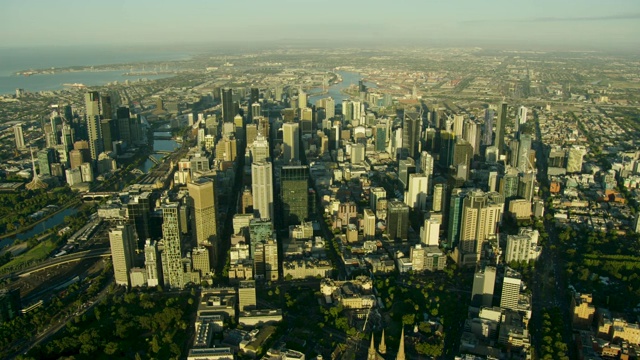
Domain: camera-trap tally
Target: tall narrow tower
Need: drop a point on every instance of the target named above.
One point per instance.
(203, 200)
(262, 189)
(500, 126)
(93, 113)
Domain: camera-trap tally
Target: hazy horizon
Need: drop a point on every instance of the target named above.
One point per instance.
(552, 25)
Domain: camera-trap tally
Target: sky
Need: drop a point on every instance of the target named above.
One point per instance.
(559, 24)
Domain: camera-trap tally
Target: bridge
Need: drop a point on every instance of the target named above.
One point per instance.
(164, 152)
(97, 196)
(154, 160)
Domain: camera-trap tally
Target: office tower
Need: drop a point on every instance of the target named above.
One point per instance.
(122, 241)
(262, 189)
(203, 207)
(439, 197)
(67, 137)
(138, 212)
(522, 115)
(201, 260)
(260, 149)
(211, 124)
(447, 147)
(270, 260)
(480, 216)
(462, 153)
(302, 99)
(246, 200)
(509, 183)
(484, 282)
(426, 164)
(172, 269)
(510, 289)
(455, 217)
(405, 168)
(46, 157)
(254, 99)
(522, 247)
(458, 125)
(294, 194)
(500, 126)
(19, 137)
(256, 111)
(124, 125)
(376, 194)
(381, 137)
(416, 255)
(416, 196)
(247, 295)
(430, 232)
(575, 158)
(109, 131)
(227, 149)
(524, 147)
(492, 183)
(228, 111)
(411, 130)
(106, 109)
(251, 131)
(330, 108)
(306, 121)
(369, 219)
(397, 220)
(357, 154)
(347, 111)
(87, 172)
(93, 114)
(152, 263)
(487, 130)
(290, 142)
(471, 133)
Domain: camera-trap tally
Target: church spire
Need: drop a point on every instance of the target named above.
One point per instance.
(371, 354)
(382, 348)
(400, 355)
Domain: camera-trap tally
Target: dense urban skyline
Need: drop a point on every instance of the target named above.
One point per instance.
(567, 24)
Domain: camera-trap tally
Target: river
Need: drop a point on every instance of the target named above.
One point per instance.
(335, 91)
(159, 145)
(41, 227)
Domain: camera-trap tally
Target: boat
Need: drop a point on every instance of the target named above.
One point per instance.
(77, 85)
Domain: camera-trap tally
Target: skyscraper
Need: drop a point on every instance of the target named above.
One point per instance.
(203, 206)
(152, 263)
(122, 241)
(455, 215)
(397, 220)
(510, 289)
(93, 113)
(294, 194)
(19, 136)
(290, 142)
(500, 126)
(487, 137)
(416, 196)
(381, 137)
(430, 232)
(228, 109)
(172, 269)
(411, 130)
(260, 149)
(262, 189)
(483, 285)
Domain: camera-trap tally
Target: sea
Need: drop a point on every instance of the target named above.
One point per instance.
(13, 60)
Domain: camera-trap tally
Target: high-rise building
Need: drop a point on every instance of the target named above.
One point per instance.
(376, 194)
(524, 147)
(455, 218)
(247, 295)
(260, 149)
(369, 219)
(483, 286)
(397, 220)
(381, 137)
(416, 196)
(471, 134)
(439, 197)
(203, 207)
(405, 168)
(416, 254)
(152, 263)
(172, 269)
(93, 114)
(411, 130)
(522, 115)
(500, 127)
(271, 260)
(575, 158)
(256, 111)
(487, 136)
(330, 108)
(357, 154)
(228, 109)
(19, 137)
(290, 142)
(260, 231)
(122, 241)
(430, 232)
(138, 213)
(447, 147)
(509, 183)
(458, 125)
(262, 189)
(510, 289)
(201, 260)
(480, 215)
(522, 247)
(294, 194)
(46, 157)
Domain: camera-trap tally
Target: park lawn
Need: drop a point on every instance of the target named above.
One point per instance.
(39, 252)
